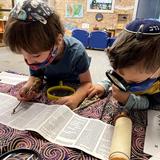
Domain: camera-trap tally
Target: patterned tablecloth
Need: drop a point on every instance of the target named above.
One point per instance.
(12, 139)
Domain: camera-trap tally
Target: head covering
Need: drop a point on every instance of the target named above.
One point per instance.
(144, 27)
(31, 10)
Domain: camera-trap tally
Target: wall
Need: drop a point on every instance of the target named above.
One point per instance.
(148, 9)
(6, 4)
(110, 20)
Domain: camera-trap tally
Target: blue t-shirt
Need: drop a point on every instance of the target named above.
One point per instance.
(74, 62)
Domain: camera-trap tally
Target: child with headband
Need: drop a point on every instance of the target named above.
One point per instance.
(36, 32)
(135, 58)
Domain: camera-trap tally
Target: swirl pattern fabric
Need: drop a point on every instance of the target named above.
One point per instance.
(13, 139)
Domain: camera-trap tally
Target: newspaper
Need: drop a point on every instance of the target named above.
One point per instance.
(11, 78)
(58, 124)
(152, 137)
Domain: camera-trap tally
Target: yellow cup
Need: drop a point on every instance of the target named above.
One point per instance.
(61, 87)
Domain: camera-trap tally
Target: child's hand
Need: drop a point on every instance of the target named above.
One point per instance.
(26, 94)
(96, 90)
(29, 90)
(119, 95)
(70, 101)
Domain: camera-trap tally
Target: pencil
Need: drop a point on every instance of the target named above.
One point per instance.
(31, 88)
(14, 109)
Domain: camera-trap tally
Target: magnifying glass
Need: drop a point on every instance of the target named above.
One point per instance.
(56, 92)
(117, 80)
(21, 154)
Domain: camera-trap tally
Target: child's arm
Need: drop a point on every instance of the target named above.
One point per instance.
(137, 102)
(129, 100)
(85, 84)
(81, 93)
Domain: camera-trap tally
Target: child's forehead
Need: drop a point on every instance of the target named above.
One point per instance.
(133, 74)
(135, 67)
(130, 70)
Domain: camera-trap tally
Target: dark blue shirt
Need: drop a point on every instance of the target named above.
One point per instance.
(74, 62)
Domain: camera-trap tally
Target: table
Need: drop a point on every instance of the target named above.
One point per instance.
(12, 139)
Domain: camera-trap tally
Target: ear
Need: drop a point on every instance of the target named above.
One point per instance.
(59, 39)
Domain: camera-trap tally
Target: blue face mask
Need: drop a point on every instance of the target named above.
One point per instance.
(142, 86)
(49, 60)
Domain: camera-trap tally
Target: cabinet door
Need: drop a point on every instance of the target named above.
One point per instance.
(2, 23)
(1, 26)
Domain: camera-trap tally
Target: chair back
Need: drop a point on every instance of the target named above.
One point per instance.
(98, 40)
(82, 36)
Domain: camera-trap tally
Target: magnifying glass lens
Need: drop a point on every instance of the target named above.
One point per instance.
(21, 154)
(117, 82)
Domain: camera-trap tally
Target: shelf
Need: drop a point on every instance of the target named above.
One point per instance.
(2, 26)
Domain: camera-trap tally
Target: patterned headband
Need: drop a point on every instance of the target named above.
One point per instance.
(31, 10)
(145, 27)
